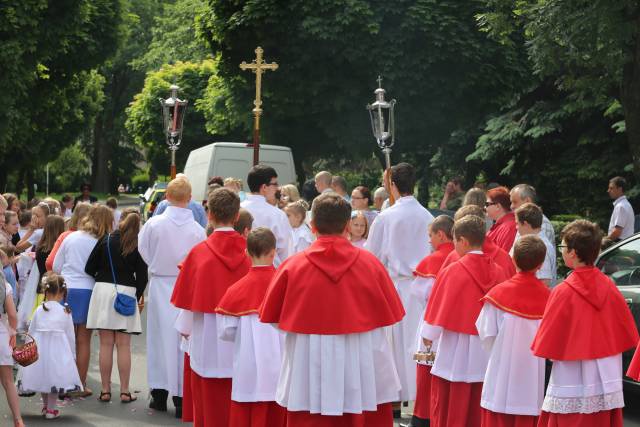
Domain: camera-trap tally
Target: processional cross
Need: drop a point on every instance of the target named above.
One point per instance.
(258, 66)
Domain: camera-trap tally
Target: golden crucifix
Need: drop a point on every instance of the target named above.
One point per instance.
(258, 66)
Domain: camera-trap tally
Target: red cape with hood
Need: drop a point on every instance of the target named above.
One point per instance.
(432, 263)
(523, 295)
(455, 303)
(331, 287)
(246, 295)
(208, 271)
(634, 366)
(496, 253)
(586, 318)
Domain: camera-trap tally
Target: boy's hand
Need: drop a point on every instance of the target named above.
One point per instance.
(426, 342)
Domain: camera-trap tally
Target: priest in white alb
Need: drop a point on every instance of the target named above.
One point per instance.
(399, 238)
(164, 241)
(263, 184)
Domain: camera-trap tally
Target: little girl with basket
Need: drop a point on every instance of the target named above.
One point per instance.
(8, 322)
(52, 329)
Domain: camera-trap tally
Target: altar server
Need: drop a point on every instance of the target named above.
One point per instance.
(164, 241)
(257, 354)
(398, 237)
(425, 275)
(263, 184)
(514, 383)
(585, 328)
(454, 306)
(206, 274)
(334, 302)
(493, 251)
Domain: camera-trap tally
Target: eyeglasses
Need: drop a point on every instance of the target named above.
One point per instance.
(487, 204)
(272, 184)
(562, 246)
(357, 198)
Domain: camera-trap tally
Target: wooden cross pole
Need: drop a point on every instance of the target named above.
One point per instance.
(258, 66)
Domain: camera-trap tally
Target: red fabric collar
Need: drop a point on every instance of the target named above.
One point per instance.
(432, 263)
(331, 288)
(586, 318)
(508, 217)
(208, 271)
(523, 295)
(246, 295)
(454, 303)
(497, 255)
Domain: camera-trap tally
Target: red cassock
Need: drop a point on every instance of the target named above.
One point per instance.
(244, 298)
(503, 232)
(497, 255)
(586, 318)
(205, 275)
(332, 288)
(526, 296)
(454, 304)
(428, 267)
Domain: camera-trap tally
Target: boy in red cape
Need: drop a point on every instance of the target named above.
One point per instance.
(454, 306)
(493, 251)
(207, 272)
(257, 346)
(425, 275)
(513, 386)
(334, 303)
(585, 328)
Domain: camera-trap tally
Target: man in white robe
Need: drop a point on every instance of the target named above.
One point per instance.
(164, 241)
(263, 184)
(399, 238)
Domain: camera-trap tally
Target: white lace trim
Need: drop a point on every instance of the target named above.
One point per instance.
(583, 405)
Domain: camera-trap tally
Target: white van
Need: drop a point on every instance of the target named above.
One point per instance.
(234, 159)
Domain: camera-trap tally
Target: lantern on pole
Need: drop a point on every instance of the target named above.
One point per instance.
(173, 111)
(382, 113)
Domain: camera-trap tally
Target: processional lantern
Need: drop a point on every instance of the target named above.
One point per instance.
(382, 113)
(173, 112)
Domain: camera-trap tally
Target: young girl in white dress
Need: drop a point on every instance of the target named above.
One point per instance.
(302, 236)
(8, 322)
(52, 328)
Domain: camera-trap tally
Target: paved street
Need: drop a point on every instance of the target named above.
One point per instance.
(90, 412)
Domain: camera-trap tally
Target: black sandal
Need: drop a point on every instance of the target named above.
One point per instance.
(131, 398)
(105, 393)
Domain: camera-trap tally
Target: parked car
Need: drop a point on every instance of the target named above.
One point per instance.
(151, 198)
(621, 262)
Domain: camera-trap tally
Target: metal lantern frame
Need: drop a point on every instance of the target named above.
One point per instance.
(173, 111)
(382, 115)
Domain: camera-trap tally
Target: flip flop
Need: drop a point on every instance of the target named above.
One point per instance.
(131, 398)
(102, 394)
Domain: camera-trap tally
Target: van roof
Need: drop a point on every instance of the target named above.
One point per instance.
(243, 144)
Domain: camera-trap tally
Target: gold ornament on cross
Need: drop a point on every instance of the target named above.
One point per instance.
(258, 66)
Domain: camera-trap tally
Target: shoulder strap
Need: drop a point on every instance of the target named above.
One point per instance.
(113, 272)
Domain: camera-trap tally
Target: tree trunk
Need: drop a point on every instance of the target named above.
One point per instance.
(31, 193)
(630, 98)
(101, 180)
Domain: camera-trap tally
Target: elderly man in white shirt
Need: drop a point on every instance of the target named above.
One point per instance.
(524, 193)
(622, 220)
(263, 184)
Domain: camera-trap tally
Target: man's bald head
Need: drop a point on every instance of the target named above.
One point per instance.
(323, 181)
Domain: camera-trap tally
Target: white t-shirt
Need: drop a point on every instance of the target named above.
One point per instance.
(623, 217)
(72, 257)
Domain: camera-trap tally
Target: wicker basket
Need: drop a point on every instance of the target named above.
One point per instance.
(27, 353)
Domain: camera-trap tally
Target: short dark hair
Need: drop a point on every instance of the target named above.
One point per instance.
(403, 175)
(531, 213)
(443, 223)
(260, 241)
(365, 193)
(85, 185)
(339, 182)
(529, 252)
(245, 220)
(501, 196)
(112, 202)
(331, 213)
(224, 205)
(260, 175)
(471, 228)
(584, 237)
(619, 182)
(216, 180)
(24, 218)
(469, 210)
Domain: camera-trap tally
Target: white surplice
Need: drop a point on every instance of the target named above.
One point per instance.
(257, 356)
(421, 289)
(514, 382)
(337, 374)
(399, 239)
(164, 242)
(266, 215)
(302, 238)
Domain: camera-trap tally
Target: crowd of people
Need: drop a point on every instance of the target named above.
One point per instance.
(321, 307)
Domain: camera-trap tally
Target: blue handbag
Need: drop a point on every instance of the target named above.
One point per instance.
(123, 304)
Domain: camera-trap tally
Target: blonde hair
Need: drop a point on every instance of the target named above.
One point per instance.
(80, 212)
(98, 221)
(54, 206)
(291, 191)
(179, 190)
(360, 214)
